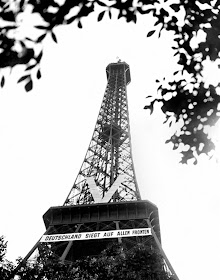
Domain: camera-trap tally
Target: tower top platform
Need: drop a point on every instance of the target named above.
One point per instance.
(119, 67)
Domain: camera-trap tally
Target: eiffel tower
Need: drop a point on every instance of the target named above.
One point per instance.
(105, 198)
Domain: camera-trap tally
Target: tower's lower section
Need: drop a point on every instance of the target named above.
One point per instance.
(99, 217)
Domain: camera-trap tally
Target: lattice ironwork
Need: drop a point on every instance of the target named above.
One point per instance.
(70, 251)
(105, 195)
(109, 153)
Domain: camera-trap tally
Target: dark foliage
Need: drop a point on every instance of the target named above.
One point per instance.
(185, 98)
(190, 100)
(6, 267)
(3, 248)
(114, 263)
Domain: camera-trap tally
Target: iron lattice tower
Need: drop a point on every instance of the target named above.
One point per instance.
(105, 195)
(109, 153)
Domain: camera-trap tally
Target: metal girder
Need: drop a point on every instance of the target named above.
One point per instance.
(103, 212)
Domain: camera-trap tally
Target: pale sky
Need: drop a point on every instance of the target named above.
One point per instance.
(45, 135)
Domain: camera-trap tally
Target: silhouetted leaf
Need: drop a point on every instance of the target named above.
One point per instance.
(38, 74)
(54, 37)
(29, 39)
(134, 18)
(29, 85)
(150, 33)
(23, 78)
(70, 20)
(175, 7)
(101, 3)
(41, 38)
(195, 161)
(30, 67)
(10, 27)
(2, 81)
(110, 14)
(41, 27)
(38, 58)
(79, 24)
(100, 16)
(22, 44)
(149, 107)
(163, 13)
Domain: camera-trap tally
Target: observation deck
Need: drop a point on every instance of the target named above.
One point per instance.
(119, 67)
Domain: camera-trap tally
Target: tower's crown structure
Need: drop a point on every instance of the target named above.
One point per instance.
(109, 158)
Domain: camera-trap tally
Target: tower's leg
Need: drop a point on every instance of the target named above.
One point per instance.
(68, 247)
(27, 256)
(117, 227)
(161, 250)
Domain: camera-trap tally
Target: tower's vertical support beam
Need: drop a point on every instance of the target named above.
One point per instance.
(68, 247)
(28, 255)
(117, 227)
(161, 250)
(137, 237)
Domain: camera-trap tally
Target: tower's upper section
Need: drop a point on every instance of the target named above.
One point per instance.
(119, 68)
(107, 173)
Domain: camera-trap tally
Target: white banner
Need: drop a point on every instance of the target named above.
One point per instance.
(96, 235)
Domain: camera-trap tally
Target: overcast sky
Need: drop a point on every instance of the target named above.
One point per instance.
(45, 135)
